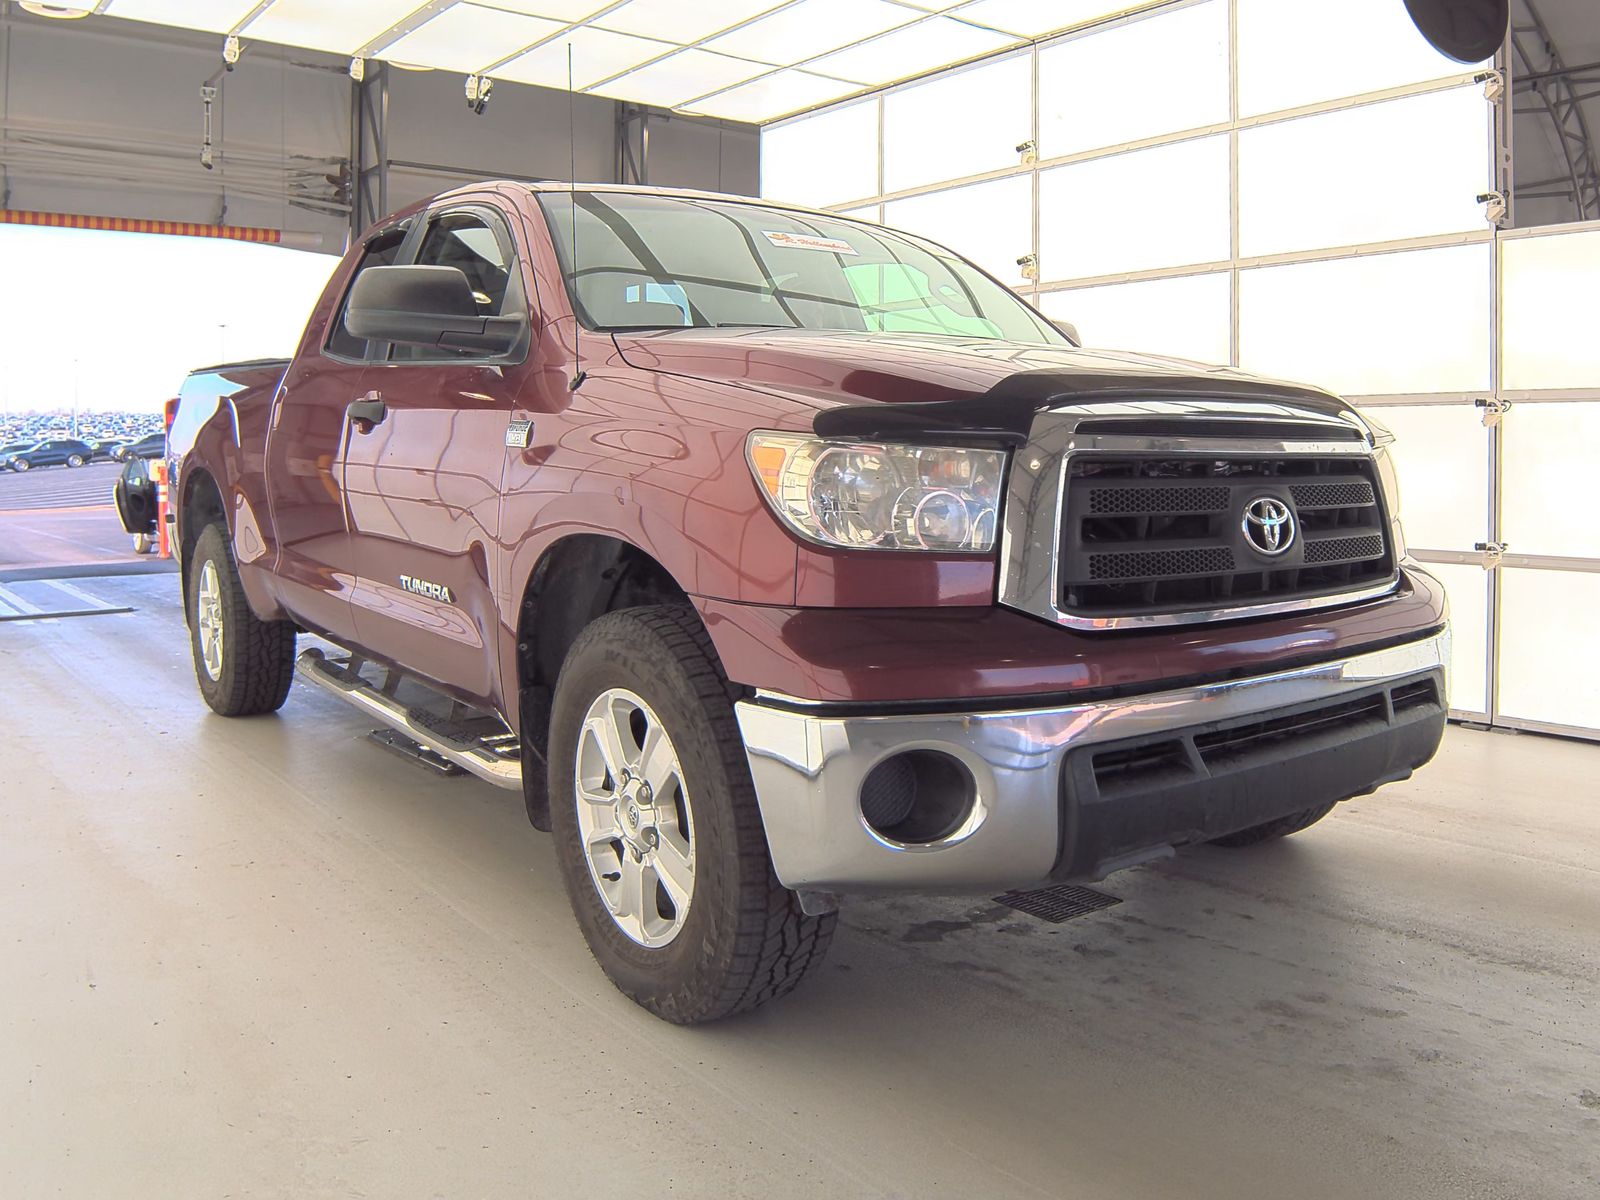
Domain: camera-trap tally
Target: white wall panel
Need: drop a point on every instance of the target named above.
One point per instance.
(1549, 656)
(989, 223)
(1441, 452)
(1416, 321)
(1548, 330)
(1551, 488)
(1130, 212)
(1468, 591)
(957, 125)
(1295, 52)
(1379, 172)
(1090, 94)
(1186, 317)
(824, 159)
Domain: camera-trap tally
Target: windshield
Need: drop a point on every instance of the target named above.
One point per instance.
(648, 262)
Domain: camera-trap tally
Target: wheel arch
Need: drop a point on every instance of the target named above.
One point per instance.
(576, 579)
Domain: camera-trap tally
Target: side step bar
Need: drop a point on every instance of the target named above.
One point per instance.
(491, 755)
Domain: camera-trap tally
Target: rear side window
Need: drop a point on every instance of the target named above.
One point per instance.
(466, 241)
(381, 251)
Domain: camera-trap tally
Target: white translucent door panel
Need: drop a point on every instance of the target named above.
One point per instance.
(989, 223)
(1186, 317)
(1404, 168)
(1550, 489)
(825, 159)
(1548, 328)
(1468, 591)
(1549, 655)
(961, 124)
(1416, 321)
(1166, 207)
(1295, 52)
(1088, 98)
(1441, 453)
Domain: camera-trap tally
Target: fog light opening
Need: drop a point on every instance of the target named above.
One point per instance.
(918, 796)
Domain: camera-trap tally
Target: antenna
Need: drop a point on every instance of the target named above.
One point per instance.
(578, 375)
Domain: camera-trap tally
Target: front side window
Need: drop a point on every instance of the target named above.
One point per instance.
(635, 261)
(466, 241)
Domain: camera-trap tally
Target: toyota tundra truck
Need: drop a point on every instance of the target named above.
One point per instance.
(776, 557)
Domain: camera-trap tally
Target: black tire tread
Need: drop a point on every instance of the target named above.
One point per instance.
(1270, 830)
(261, 670)
(777, 944)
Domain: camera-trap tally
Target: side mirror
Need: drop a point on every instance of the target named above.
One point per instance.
(426, 306)
(1069, 331)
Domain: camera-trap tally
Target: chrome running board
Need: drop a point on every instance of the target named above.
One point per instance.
(482, 745)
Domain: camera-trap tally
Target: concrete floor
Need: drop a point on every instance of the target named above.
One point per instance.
(264, 958)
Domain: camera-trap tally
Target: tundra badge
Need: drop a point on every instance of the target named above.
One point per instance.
(423, 587)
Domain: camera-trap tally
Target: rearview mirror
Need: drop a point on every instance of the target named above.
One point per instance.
(427, 306)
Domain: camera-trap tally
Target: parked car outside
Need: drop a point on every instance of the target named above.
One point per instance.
(55, 453)
(105, 449)
(152, 446)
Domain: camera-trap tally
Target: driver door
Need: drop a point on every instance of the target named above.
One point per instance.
(423, 481)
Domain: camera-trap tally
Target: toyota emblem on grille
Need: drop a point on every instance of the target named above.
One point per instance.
(1268, 525)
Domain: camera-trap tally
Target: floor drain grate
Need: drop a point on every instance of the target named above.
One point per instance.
(1059, 903)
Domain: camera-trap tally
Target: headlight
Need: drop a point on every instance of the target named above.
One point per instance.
(866, 496)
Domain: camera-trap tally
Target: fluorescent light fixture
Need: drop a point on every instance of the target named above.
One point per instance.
(341, 28)
(929, 44)
(56, 12)
(1036, 18)
(560, 10)
(811, 27)
(596, 54)
(468, 37)
(210, 16)
(682, 21)
(773, 96)
(681, 77)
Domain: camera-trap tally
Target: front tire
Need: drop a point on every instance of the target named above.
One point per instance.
(1272, 830)
(657, 830)
(244, 665)
(20, 464)
(74, 460)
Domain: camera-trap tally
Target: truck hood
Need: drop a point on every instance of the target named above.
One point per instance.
(894, 384)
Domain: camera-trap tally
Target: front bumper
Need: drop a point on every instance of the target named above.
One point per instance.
(1076, 792)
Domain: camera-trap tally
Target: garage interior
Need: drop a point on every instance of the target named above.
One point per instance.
(264, 958)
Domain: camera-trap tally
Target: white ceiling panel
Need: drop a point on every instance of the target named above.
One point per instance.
(468, 37)
(925, 46)
(210, 16)
(811, 27)
(682, 21)
(1036, 18)
(559, 10)
(773, 96)
(596, 54)
(683, 76)
(341, 28)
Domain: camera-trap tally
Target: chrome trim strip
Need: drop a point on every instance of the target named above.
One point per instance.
(808, 771)
(1030, 539)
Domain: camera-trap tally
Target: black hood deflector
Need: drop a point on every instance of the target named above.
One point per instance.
(1005, 413)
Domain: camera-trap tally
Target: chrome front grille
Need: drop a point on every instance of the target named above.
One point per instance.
(1115, 517)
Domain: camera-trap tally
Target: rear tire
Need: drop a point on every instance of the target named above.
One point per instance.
(740, 939)
(1273, 830)
(143, 543)
(244, 665)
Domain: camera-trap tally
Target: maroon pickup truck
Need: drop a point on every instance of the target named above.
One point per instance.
(775, 555)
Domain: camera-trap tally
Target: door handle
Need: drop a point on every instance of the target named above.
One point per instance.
(366, 412)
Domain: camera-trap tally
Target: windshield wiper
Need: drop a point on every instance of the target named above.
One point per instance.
(754, 325)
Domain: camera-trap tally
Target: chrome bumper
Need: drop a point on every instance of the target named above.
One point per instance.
(808, 771)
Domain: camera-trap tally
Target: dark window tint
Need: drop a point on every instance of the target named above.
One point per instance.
(466, 241)
(381, 251)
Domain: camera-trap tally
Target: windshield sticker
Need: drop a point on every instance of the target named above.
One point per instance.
(807, 241)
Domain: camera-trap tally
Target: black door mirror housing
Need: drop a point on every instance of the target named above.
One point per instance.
(427, 306)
